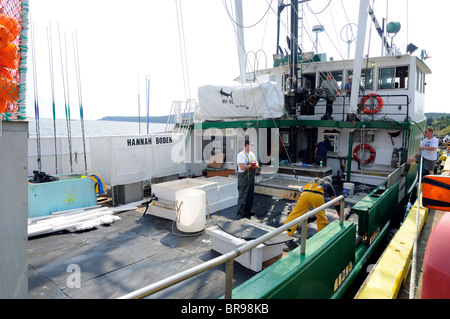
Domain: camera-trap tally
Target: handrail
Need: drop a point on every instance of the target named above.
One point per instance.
(229, 257)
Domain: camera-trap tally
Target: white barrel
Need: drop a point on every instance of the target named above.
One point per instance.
(191, 210)
(348, 189)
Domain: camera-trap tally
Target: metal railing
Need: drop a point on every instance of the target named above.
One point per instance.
(229, 257)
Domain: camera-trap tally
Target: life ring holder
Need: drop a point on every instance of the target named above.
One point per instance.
(367, 147)
(371, 97)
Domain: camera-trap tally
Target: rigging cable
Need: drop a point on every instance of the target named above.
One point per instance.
(66, 100)
(78, 77)
(317, 13)
(181, 37)
(36, 101)
(243, 26)
(52, 85)
(273, 120)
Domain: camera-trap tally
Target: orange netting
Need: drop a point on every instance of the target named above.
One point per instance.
(10, 24)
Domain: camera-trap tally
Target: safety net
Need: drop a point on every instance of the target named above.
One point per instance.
(13, 53)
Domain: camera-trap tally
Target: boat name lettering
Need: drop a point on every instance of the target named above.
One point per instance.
(139, 141)
(163, 140)
(340, 279)
(374, 235)
(148, 141)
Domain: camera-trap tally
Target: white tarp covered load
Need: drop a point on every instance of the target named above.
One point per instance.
(264, 100)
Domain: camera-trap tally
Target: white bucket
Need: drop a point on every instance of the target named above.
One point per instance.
(191, 210)
(348, 189)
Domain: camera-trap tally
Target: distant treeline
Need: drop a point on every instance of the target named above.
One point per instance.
(152, 119)
(440, 122)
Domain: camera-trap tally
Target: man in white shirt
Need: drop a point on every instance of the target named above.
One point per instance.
(247, 166)
(428, 149)
(333, 91)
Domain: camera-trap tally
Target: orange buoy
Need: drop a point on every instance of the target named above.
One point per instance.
(436, 263)
(11, 25)
(9, 90)
(3, 105)
(9, 56)
(5, 73)
(5, 36)
(436, 192)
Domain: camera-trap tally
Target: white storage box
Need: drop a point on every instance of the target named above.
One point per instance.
(227, 187)
(223, 243)
(222, 204)
(163, 209)
(166, 191)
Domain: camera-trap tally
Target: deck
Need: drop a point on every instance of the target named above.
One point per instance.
(136, 251)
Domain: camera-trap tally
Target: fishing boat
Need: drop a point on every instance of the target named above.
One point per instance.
(372, 132)
(373, 128)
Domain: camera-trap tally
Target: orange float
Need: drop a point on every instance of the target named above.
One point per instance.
(436, 263)
(5, 36)
(6, 73)
(9, 90)
(3, 104)
(9, 56)
(11, 25)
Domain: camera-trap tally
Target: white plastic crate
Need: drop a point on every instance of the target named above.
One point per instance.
(223, 243)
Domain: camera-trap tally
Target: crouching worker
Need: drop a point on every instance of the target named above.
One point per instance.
(313, 195)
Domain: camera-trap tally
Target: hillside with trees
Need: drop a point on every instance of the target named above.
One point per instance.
(440, 122)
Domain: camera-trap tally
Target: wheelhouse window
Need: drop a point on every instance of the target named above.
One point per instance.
(420, 81)
(337, 75)
(393, 78)
(366, 78)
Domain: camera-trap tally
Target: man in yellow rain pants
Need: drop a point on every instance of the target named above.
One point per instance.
(313, 195)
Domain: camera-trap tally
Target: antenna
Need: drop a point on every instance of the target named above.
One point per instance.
(350, 35)
(317, 29)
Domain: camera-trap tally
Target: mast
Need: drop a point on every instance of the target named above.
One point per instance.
(294, 44)
(380, 31)
(240, 39)
(359, 52)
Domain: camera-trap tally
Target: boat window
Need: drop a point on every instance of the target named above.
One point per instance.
(418, 76)
(337, 75)
(393, 78)
(423, 83)
(366, 78)
(309, 80)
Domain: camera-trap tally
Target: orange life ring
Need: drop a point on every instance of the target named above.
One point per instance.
(367, 147)
(373, 109)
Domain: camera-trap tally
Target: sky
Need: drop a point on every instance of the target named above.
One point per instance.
(120, 44)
